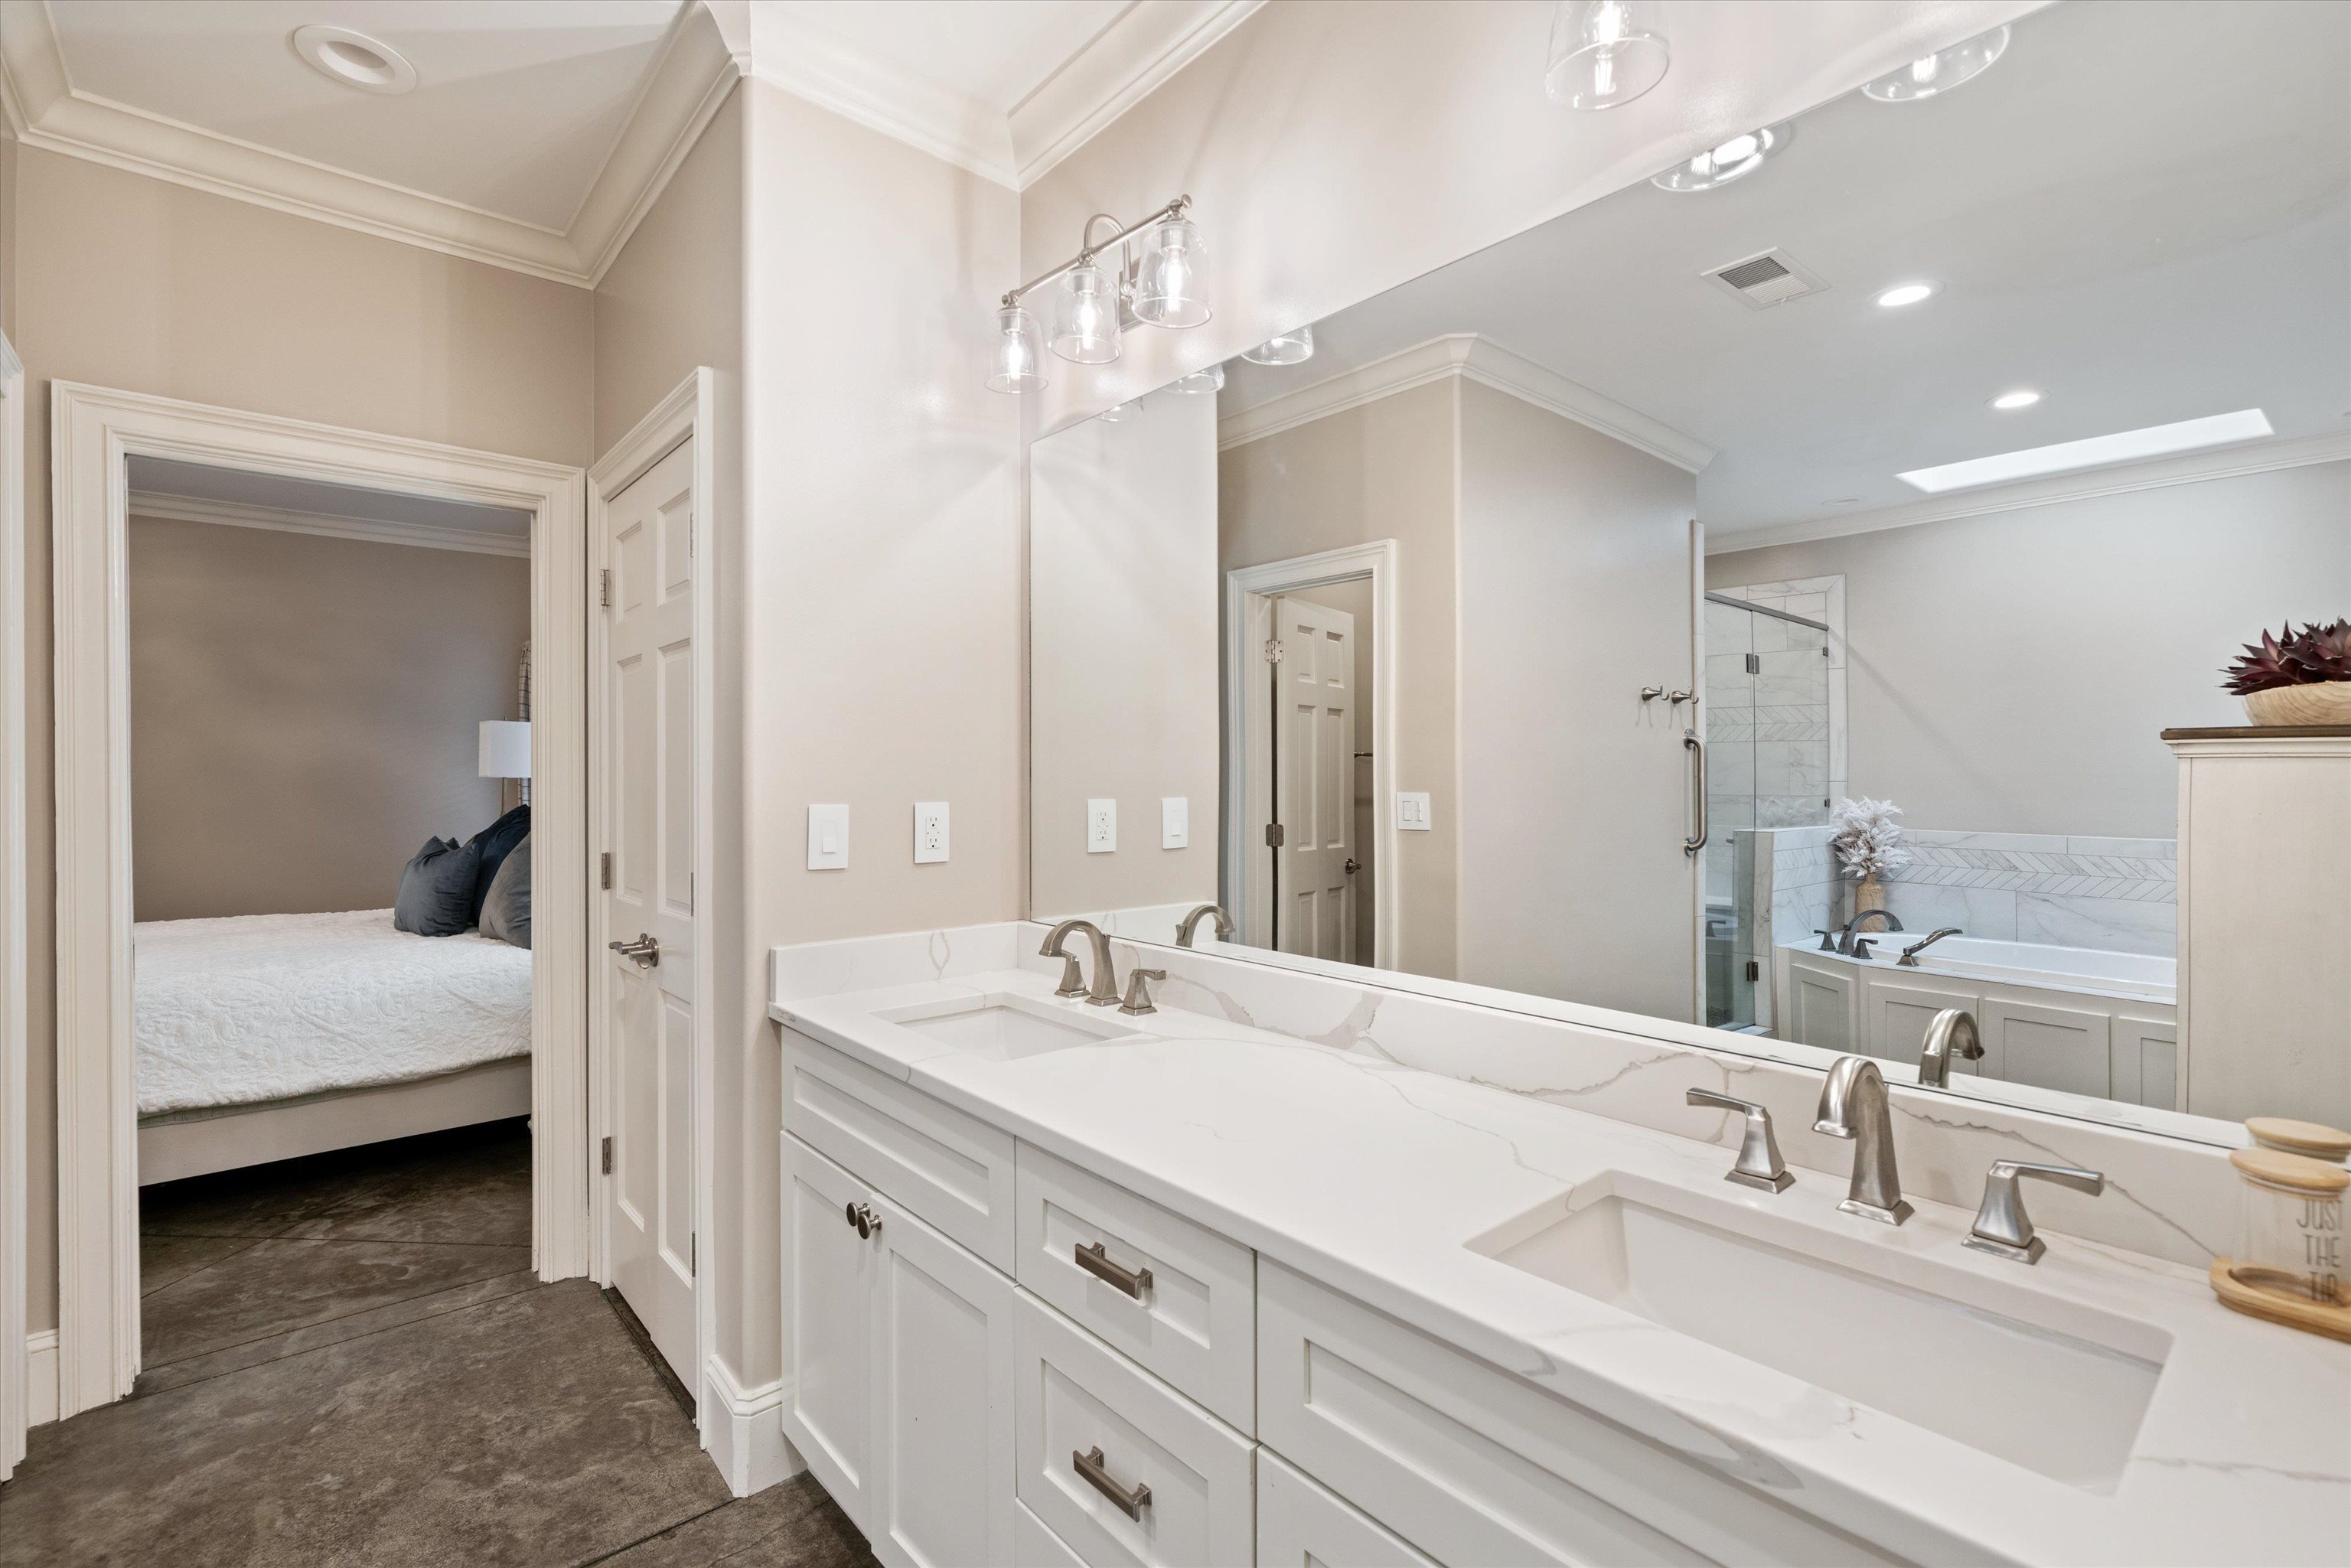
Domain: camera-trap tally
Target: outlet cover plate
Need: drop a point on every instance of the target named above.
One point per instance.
(1101, 827)
(930, 832)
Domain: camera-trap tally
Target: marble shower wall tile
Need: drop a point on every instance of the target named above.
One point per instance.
(2075, 891)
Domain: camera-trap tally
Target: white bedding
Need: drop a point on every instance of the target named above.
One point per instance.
(251, 1008)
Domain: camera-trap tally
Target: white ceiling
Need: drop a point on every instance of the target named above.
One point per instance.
(309, 507)
(2143, 212)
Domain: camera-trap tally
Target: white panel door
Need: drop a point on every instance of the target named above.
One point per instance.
(647, 734)
(1314, 780)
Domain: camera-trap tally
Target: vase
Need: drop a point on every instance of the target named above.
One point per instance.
(2319, 701)
(1868, 894)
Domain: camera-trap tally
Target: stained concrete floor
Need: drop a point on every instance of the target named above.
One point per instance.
(346, 1360)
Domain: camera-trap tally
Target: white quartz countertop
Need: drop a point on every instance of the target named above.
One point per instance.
(1372, 1178)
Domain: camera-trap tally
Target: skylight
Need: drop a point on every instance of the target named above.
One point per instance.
(2123, 447)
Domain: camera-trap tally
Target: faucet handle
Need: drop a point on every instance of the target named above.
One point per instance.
(1138, 991)
(2003, 1227)
(1828, 939)
(1861, 946)
(1073, 976)
(1759, 1163)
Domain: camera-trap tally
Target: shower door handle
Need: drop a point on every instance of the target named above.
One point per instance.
(1696, 749)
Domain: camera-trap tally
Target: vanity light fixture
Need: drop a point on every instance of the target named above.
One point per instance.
(1940, 71)
(1903, 294)
(2022, 397)
(353, 58)
(1211, 380)
(2123, 447)
(1294, 347)
(1165, 284)
(1604, 52)
(1733, 160)
(1120, 412)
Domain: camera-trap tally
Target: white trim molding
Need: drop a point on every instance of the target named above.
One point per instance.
(93, 431)
(688, 81)
(21, 1398)
(2222, 463)
(690, 413)
(1472, 357)
(40, 1378)
(281, 519)
(745, 1431)
(1250, 592)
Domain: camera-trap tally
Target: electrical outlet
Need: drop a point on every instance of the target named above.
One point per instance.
(930, 832)
(828, 838)
(1101, 827)
(1411, 810)
(1175, 821)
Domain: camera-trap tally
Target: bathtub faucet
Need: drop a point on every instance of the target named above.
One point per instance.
(1845, 932)
(1909, 960)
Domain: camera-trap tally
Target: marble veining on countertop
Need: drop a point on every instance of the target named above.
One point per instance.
(1372, 1176)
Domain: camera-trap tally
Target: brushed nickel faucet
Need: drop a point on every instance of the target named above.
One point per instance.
(2003, 1227)
(1759, 1163)
(1103, 991)
(1854, 1105)
(1190, 924)
(1909, 960)
(1952, 1033)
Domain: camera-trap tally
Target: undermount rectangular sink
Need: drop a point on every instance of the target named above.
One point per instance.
(1000, 1027)
(2036, 1380)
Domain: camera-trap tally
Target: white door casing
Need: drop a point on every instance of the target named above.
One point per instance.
(16, 1396)
(645, 758)
(1315, 774)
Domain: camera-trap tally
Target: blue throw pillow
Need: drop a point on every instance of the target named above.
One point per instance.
(436, 890)
(505, 912)
(493, 845)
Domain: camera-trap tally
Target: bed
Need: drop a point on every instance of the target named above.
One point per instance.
(262, 1037)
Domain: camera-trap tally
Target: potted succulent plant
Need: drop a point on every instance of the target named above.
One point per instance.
(1868, 846)
(2297, 678)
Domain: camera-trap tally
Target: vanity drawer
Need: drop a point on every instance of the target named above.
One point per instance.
(1473, 1466)
(1303, 1524)
(1075, 1396)
(950, 1169)
(1194, 1323)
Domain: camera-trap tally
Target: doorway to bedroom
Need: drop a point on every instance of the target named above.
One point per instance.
(329, 744)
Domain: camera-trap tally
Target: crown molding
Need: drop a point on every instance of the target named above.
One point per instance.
(281, 519)
(1117, 68)
(1473, 358)
(689, 81)
(2154, 473)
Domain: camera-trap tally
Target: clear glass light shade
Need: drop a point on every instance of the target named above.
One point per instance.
(1171, 287)
(1942, 70)
(1120, 412)
(1734, 160)
(1020, 352)
(1211, 380)
(1604, 52)
(1085, 316)
(1291, 348)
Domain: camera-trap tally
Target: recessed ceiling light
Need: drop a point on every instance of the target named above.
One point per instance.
(2154, 441)
(353, 58)
(1942, 70)
(1735, 159)
(2020, 398)
(1903, 294)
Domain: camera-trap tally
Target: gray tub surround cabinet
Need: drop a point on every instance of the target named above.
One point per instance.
(1350, 1345)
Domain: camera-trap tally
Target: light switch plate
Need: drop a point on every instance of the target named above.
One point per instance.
(930, 832)
(1175, 821)
(1101, 827)
(828, 838)
(1411, 810)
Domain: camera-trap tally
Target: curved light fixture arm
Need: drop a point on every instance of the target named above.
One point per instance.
(1088, 250)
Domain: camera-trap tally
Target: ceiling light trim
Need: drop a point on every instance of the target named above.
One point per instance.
(1477, 359)
(2050, 490)
(288, 520)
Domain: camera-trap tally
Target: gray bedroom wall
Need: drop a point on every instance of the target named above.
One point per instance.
(303, 712)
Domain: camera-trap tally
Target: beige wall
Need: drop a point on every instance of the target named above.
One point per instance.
(1122, 654)
(1380, 471)
(2011, 673)
(879, 588)
(134, 283)
(303, 712)
(1575, 593)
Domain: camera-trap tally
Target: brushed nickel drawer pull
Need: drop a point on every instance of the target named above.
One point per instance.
(1090, 1464)
(1095, 1262)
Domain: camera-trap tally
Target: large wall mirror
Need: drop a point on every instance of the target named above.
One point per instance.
(1551, 624)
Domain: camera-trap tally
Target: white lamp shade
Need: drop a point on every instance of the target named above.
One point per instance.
(506, 749)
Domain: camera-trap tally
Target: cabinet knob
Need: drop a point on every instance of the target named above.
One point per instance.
(864, 1220)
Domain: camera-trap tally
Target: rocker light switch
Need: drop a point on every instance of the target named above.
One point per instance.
(1411, 810)
(828, 838)
(1175, 821)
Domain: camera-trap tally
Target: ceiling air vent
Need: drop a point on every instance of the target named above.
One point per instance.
(1762, 281)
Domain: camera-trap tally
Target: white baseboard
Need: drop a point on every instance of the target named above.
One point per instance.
(744, 1431)
(41, 1378)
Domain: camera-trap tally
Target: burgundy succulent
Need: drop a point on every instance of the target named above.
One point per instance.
(2292, 659)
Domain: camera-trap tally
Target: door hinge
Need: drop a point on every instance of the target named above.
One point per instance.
(694, 1255)
(1274, 837)
(604, 591)
(1273, 649)
(1754, 664)
(605, 875)
(608, 1154)
(1754, 970)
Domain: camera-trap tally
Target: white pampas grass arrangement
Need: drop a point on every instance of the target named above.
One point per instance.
(1867, 841)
